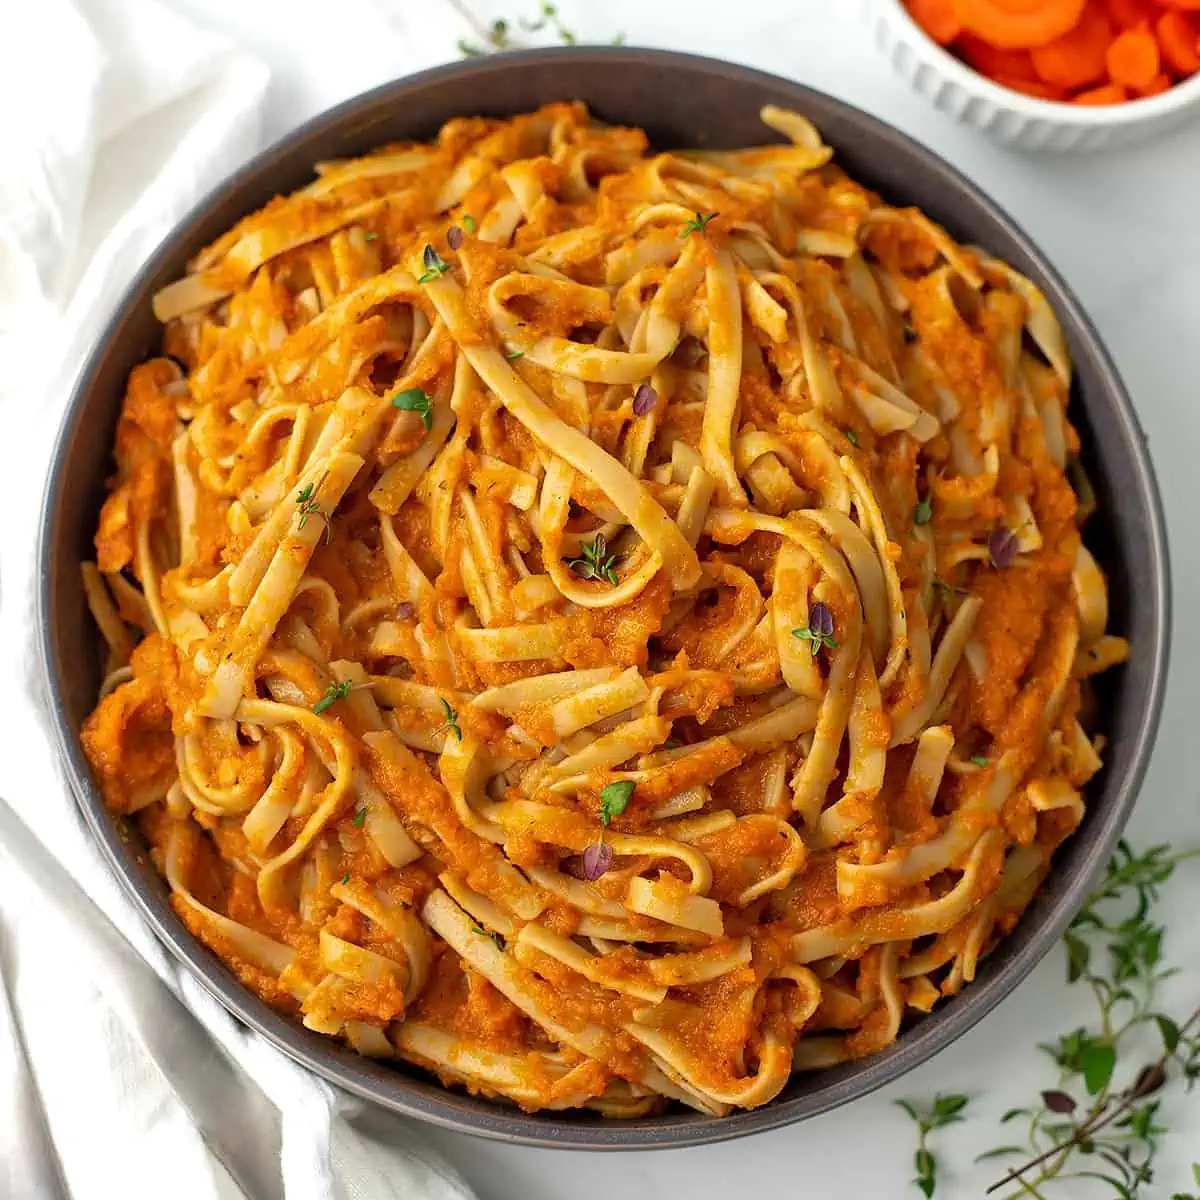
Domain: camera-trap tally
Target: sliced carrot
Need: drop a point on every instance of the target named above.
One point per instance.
(1129, 14)
(1133, 58)
(1179, 40)
(937, 18)
(1078, 57)
(1019, 24)
(1107, 93)
(1159, 84)
(993, 62)
(1033, 87)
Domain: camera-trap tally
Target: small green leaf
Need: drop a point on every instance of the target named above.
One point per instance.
(852, 437)
(415, 399)
(923, 513)
(1000, 1152)
(469, 223)
(698, 225)
(1099, 1059)
(346, 878)
(1014, 1113)
(980, 760)
(359, 818)
(1170, 1033)
(948, 1109)
(924, 1162)
(614, 799)
(333, 693)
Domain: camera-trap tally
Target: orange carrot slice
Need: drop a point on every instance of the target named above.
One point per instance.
(1128, 14)
(1133, 58)
(1019, 24)
(937, 18)
(1033, 87)
(993, 62)
(1179, 41)
(1108, 93)
(1159, 84)
(1078, 57)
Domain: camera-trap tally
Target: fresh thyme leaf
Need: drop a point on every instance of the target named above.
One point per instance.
(596, 562)
(513, 354)
(852, 437)
(370, 237)
(923, 513)
(345, 879)
(434, 266)
(614, 799)
(306, 499)
(698, 225)
(359, 818)
(450, 725)
(333, 693)
(469, 223)
(819, 631)
(467, 50)
(414, 399)
(980, 760)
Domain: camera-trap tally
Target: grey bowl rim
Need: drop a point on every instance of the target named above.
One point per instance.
(472, 1115)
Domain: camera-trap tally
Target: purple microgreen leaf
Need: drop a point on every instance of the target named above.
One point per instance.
(645, 400)
(454, 237)
(597, 858)
(1002, 547)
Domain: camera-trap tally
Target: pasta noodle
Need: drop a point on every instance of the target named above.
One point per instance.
(608, 627)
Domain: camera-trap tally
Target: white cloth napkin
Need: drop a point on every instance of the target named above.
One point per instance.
(119, 1074)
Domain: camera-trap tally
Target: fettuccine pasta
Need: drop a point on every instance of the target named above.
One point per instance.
(607, 627)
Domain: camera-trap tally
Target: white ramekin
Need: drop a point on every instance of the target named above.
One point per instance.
(1012, 117)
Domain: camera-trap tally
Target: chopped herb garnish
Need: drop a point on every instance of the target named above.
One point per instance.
(597, 858)
(596, 562)
(923, 513)
(515, 354)
(698, 225)
(359, 818)
(980, 760)
(819, 631)
(450, 725)
(469, 223)
(614, 799)
(333, 693)
(1002, 547)
(645, 400)
(434, 266)
(306, 498)
(945, 1110)
(497, 939)
(414, 399)
(497, 36)
(852, 437)
(370, 237)
(345, 879)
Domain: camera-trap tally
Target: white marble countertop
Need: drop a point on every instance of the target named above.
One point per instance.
(1124, 229)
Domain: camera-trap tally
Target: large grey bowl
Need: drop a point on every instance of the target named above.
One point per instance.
(681, 101)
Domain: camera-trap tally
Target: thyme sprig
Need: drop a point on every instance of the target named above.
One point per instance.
(945, 1110)
(496, 36)
(1088, 1125)
(450, 724)
(306, 501)
(596, 562)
